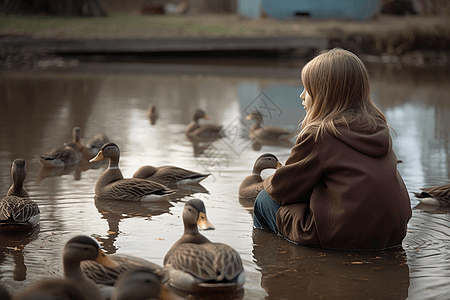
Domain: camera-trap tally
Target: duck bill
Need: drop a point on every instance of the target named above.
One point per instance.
(98, 157)
(249, 117)
(206, 117)
(203, 222)
(279, 164)
(104, 260)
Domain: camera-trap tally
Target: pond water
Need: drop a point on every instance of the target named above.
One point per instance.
(39, 109)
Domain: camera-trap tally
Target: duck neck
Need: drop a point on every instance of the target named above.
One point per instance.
(111, 174)
(72, 269)
(256, 170)
(192, 126)
(17, 188)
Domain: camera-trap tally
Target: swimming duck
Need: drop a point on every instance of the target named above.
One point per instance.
(106, 276)
(68, 154)
(267, 132)
(194, 263)
(112, 185)
(17, 210)
(120, 264)
(169, 175)
(140, 284)
(94, 145)
(208, 131)
(81, 248)
(152, 114)
(253, 184)
(436, 195)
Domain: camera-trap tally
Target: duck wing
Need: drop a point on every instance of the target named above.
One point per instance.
(135, 189)
(172, 174)
(440, 193)
(17, 209)
(108, 275)
(210, 262)
(60, 156)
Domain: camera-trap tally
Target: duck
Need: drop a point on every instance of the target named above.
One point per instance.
(62, 156)
(195, 264)
(17, 210)
(94, 145)
(152, 114)
(73, 285)
(121, 263)
(253, 184)
(268, 132)
(436, 195)
(106, 276)
(170, 175)
(111, 184)
(140, 284)
(208, 131)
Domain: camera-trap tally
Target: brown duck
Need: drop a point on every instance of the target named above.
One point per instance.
(253, 184)
(207, 131)
(111, 184)
(194, 263)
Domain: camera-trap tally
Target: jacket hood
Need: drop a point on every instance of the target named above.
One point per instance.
(373, 143)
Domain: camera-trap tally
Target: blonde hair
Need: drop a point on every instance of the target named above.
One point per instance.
(339, 85)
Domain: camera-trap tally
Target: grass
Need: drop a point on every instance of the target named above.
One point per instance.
(382, 34)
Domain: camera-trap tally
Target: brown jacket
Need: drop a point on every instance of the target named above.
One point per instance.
(342, 192)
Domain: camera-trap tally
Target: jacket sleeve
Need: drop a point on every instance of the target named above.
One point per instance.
(294, 182)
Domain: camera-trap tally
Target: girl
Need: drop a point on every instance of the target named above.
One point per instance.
(340, 187)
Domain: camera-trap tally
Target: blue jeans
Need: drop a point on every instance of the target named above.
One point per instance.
(265, 212)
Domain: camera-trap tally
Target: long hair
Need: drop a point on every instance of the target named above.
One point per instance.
(339, 85)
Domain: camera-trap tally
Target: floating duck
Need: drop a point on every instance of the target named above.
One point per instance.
(194, 263)
(68, 154)
(207, 131)
(267, 132)
(17, 210)
(253, 184)
(111, 184)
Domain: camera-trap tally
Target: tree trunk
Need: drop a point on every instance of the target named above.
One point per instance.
(88, 8)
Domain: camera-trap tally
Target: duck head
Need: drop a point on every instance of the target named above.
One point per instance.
(109, 150)
(194, 214)
(199, 114)
(266, 161)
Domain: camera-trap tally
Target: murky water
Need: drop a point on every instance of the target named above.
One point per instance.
(39, 110)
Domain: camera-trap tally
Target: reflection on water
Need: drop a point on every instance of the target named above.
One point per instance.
(38, 112)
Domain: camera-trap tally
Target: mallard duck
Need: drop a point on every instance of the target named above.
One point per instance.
(76, 250)
(112, 185)
(208, 131)
(17, 211)
(94, 145)
(194, 263)
(267, 132)
(61, 156)
(106, 276)
(140, 284)
(169, 175)
(120, 264)
(253, 184)
(59, 289)
(436, 195)
(152, 114)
